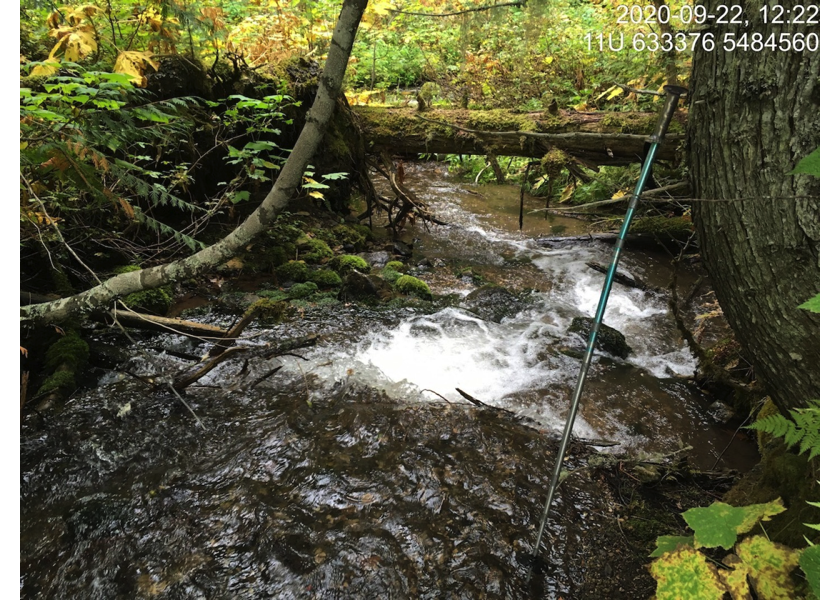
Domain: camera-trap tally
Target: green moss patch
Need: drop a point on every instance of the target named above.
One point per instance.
(294, 270)
(70, 351)
(349, 262)
(313, 250)
(325, 278)
(411, 286)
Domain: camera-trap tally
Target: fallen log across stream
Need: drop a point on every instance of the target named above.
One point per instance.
(593, 139)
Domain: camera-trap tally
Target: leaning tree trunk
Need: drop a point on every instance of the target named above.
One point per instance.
(329, 88)
(753, 116)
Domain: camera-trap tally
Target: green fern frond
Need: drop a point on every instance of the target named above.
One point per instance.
(803, 428)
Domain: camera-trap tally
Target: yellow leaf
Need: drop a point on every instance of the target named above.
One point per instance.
(79, 44)
(45, 69)
(134, 63)
(567, 192)
(318, 195)
(548, 60)
(617, 91)
(619, 194)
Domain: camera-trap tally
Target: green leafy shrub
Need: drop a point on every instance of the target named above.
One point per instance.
(413, 287)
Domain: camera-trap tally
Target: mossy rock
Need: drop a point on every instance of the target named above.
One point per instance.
(396, 266)
(63, 382)
(390, 275)
(302, 290)
(352, 235)
(609, 340)
(314, 251)
(350, 262)
(294, 270)
(278, 311)
(70, 351)
(155, 301)
(411, 286)
(325, 278)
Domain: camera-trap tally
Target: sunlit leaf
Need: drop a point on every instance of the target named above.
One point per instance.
(769, 566)
(134, 64)
(719, 524)
(736, 579)
(810, 165)
(45, 69)
(813, 304)
(685, 574)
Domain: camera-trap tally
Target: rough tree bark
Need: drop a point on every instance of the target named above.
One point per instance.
(753, 116)
(317, 118)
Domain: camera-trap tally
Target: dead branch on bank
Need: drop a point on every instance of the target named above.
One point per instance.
(407, 205)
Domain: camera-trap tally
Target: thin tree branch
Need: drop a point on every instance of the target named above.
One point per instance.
(454, 14)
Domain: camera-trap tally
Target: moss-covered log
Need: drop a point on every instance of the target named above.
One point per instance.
(595, 138)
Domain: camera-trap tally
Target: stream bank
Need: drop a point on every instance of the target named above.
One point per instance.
(340, 476)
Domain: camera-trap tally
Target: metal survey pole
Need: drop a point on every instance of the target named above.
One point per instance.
(672, 98)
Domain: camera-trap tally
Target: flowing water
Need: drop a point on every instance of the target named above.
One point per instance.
(346, 475)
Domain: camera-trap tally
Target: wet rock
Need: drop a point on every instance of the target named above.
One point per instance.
(609, 340)
(493, 303)
(360, 286)
(402, 248)
(376, 259)
(720, 412)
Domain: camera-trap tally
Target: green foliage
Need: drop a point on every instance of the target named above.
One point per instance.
(810, 165)
(685, 573)
(720, 524)
(813, 304)
(802, 430)
(809, 562)
(682, 571)
(412, 286)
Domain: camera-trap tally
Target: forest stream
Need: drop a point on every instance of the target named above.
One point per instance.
(358, 470)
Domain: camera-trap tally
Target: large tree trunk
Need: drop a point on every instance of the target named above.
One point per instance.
(753, 116)
(261, 219)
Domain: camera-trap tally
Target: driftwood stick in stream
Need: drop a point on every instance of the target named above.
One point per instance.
(196, 372)
(662, 190)
(619, 278)
(233, 333)
(268, 351)
(155, 323)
